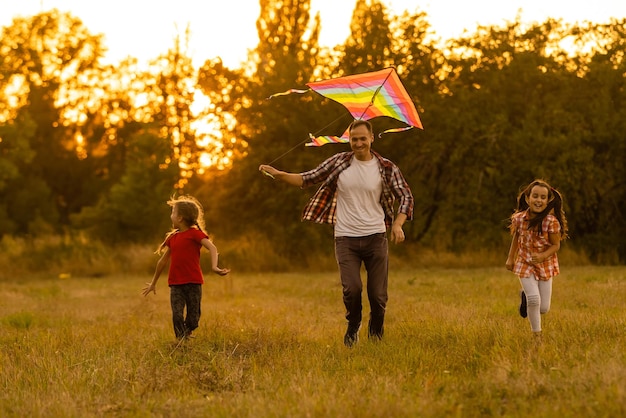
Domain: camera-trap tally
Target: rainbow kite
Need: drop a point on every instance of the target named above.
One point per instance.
(366, 96)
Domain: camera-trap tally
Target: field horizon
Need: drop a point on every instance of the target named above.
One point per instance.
(270, 345)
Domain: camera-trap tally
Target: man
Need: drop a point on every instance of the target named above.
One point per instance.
(357, 196)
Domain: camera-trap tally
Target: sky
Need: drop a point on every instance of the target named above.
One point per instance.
(227, 28)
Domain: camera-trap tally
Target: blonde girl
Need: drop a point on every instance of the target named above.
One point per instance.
(538, 226)
(182, 247)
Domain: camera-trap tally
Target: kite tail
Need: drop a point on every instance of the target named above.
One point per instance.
(288, 92)
(394, 130)
(318, 141)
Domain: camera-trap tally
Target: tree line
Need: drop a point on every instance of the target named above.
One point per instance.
(97, 149)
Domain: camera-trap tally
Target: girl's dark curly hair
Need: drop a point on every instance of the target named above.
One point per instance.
(555, 206)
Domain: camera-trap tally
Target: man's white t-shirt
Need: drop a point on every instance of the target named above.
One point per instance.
(359, 212)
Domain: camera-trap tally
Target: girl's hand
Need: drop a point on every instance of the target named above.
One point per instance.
(149, 288)
(221, 272)
(537, 258)
(509, 265)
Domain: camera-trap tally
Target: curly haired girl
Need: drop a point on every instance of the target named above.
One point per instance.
(538, 226)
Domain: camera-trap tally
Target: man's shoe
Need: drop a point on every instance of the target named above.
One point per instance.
(522, 306)
(376, 330)
(352, 335)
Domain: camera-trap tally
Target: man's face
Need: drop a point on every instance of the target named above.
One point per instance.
(361, 142)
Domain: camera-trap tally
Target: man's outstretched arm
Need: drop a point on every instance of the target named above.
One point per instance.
(295, 179)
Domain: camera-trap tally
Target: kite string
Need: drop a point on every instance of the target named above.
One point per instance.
(287, 152)
(303, 141)
(363, 114)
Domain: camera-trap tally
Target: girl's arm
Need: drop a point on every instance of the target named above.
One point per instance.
(555, 240)
(510, 260)
(151, 287)
(206, 243)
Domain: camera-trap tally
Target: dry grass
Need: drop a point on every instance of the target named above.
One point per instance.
(78, 256)
(270, 345)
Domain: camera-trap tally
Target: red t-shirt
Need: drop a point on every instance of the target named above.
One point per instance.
(185, 257)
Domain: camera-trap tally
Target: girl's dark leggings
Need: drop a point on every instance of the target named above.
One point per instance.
(185, 296)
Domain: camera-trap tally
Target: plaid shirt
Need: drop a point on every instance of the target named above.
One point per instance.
(322, 206)
(532, 242)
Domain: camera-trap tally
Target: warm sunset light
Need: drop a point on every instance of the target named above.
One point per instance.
(326, 208)
(106, 103)
(209, 22)
(227, 29)
(213, 34)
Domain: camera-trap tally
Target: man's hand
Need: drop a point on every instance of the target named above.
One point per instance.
(397, 234)
(268, 170)
(295, 179)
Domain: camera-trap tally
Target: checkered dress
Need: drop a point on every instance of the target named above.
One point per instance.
(530, 241)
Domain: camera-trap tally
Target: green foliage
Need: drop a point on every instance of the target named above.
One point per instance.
(30, 206)
(369, 45)
(511, 112)
(15, 148)
(500, 107)
(285, 58)
(132, 208)
(41, 55)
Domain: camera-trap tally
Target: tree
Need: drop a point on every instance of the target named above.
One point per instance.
(592, 163)
(149, 144)
(421, 65)
(40, 55)
(286, 57)
(134, 208)
(14, 151)
(498, 124)
(514, 107)
(369, 45)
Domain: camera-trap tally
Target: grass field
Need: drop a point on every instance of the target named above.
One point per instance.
(270, 345)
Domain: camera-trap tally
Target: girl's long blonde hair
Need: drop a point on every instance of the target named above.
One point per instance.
(192, 212)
